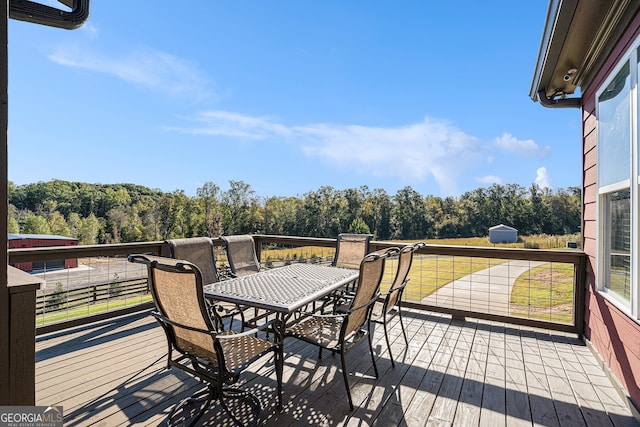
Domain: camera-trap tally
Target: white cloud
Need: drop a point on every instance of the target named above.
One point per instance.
(490, 179)
(90, 29)
(154, 70)
(413, 153)
(542, 178)
(225, 123)
(524, 148)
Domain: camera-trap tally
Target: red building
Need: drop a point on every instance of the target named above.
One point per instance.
(17, 241)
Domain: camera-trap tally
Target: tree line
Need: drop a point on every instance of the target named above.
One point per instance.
(119, 213)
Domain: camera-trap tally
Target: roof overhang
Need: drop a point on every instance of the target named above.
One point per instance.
(577, 37)
(75, 15)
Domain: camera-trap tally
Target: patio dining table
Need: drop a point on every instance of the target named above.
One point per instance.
(282, 290)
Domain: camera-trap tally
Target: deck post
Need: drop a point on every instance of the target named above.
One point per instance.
(5, 380)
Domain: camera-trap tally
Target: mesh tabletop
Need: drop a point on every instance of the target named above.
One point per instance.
(282, 289)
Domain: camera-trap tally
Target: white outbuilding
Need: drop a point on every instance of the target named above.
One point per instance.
(503, 234)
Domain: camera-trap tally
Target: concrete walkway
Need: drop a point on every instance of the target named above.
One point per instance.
(486, 291)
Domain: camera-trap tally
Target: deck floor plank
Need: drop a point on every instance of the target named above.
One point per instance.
(470, 400)
(452, 373)
(517, 400)
(493, 412)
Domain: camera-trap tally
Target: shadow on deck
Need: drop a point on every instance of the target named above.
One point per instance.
(452, 373)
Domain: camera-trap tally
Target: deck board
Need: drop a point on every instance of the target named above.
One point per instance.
(453, 372)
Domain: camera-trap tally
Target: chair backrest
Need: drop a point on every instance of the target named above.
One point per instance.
(176, 287)
(351, 249)
(241, 253)
(405, 259)
(198, 251)
(371, 273)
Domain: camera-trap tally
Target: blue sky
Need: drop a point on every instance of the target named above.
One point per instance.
(289, 96)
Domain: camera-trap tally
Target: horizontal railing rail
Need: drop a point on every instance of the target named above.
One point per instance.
(543, 288)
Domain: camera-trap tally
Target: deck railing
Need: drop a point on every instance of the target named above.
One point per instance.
(543, 288)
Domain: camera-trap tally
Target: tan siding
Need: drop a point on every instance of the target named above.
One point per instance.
(589, 178)
(589, 228)
(590, 193)
(590, 212)
(589, 142)
(589, 126)
(590, 246)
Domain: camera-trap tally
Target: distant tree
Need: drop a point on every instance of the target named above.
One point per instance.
(238, 208)
(75, 224)
(358, 226)
(539, 212)
(12, 225)
(35, 224)
(12, 220)
(57, 298)
(212, 218)
(377, 212)
(409, 215)
(90, 230)
(58, 225)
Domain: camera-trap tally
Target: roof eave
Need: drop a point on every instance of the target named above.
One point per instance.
(578, 35)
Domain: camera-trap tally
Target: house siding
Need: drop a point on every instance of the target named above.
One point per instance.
(613, 334)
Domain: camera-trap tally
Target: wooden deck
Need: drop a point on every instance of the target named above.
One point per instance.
(452, 373)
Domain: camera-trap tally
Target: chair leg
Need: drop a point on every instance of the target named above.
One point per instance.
(386, 337)
(345, 375)
(402, 325)
(242, 321)
(373, 359)
(210, 394)
(235, 393)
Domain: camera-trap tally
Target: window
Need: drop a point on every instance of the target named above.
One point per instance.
(618, 112)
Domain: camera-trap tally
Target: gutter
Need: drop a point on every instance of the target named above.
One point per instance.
(545, 101)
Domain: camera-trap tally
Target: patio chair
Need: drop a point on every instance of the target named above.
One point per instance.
(390, 307)
(199, 251)
(241, 254)
(342, 332)
(213, 356)
(350, 249)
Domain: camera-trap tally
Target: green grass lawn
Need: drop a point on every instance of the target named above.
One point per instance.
(430, 273)
(545, 293)
(86, 310)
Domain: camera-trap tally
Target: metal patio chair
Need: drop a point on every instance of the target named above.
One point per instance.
(350, 249)
(391, 306)
(195, 343)
(241, 254)
(199, 251)
(342, 332)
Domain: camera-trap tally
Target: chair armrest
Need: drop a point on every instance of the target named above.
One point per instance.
(166, 321)
(365, 305)
(326, 316)
(392, 290)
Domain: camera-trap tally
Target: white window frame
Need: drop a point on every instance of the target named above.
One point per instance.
(631, 307)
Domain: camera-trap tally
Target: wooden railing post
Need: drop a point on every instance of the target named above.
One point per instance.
(5, 320)
(22, 336)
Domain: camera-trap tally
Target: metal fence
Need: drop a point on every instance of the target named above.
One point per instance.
(542, 288)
